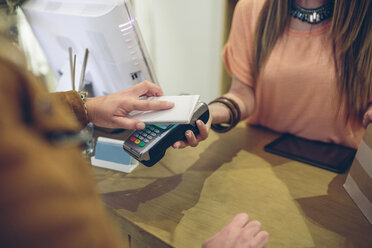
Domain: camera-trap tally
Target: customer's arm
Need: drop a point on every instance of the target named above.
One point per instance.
(111, 111)
(74, 103)
(47, 194)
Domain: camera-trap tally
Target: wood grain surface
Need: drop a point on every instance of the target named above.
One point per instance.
(192, 193)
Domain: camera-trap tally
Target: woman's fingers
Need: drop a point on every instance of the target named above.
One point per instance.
(203, 130)
(191, 139)
(178, 144)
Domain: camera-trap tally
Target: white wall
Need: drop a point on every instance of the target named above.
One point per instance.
(184, 39)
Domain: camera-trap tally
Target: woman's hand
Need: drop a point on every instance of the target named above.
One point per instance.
(367, 118)
(110, 111)
(191, 140)
(242, 94)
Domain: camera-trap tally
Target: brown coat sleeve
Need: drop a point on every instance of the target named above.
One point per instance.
(47, 193)
(73, 100)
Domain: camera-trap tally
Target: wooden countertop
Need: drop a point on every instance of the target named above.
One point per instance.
(192, 193)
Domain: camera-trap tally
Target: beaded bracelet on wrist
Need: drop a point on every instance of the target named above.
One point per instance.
(234, 112)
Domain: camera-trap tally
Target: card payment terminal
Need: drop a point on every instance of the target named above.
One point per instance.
(148, 146)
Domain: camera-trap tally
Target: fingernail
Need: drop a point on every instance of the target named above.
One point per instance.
(140, 125)
(198, 122)
(188, 133)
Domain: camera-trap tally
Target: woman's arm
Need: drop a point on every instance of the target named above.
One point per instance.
(241, 93)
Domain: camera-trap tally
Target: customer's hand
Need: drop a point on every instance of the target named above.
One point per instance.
(367, 118)
(240, 233)
(110, 111)
(191, 140)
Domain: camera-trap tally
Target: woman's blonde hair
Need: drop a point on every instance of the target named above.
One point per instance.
(351, 36)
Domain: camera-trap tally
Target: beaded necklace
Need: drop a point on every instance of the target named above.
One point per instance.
(312, 16)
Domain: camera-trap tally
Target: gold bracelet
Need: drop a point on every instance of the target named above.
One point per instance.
(83, 96)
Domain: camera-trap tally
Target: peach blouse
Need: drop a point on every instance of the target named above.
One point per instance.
(296, 89)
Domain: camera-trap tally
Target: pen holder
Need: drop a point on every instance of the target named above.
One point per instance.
(110, 154)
